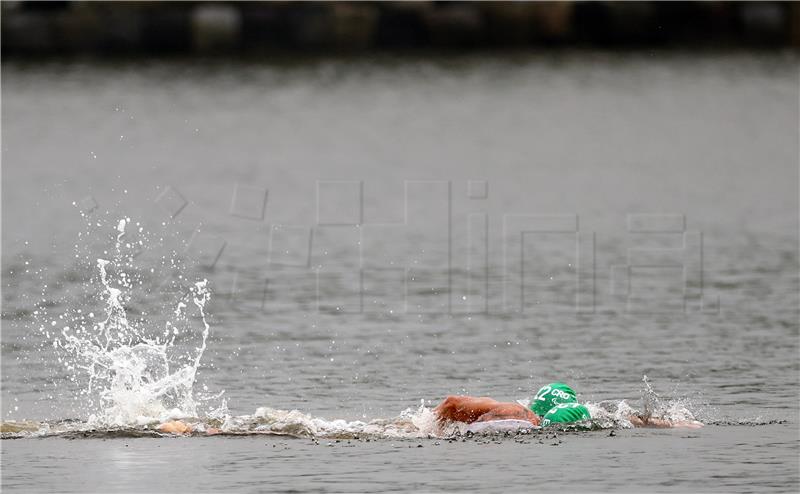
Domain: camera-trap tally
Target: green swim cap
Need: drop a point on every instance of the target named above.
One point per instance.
(550, 396)
(566, 413)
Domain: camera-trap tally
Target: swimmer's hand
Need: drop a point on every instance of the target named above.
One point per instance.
(638, 421)
(688, 424)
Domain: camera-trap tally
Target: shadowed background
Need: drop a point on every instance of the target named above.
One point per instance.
(355, 27)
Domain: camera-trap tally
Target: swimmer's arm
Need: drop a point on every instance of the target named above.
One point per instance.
(651, 422)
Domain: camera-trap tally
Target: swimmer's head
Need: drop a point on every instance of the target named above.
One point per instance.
(551, 395)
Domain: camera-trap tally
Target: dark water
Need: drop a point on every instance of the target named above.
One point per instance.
(720, 459)
(640, 217)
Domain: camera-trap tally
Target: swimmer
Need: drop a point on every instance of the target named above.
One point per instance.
(554, 403)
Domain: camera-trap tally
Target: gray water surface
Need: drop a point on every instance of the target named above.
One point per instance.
(326, 319)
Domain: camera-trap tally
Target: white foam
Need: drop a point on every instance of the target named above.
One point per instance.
(411, 423)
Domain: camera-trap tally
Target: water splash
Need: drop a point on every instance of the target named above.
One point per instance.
(617, 413)
(135, 375)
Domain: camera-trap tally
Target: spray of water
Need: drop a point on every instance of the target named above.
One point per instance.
(136, 376)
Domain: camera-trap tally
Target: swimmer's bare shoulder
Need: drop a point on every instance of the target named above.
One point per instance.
(471, 409)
